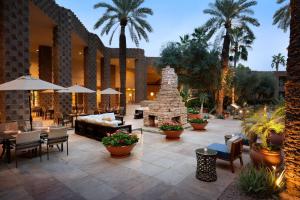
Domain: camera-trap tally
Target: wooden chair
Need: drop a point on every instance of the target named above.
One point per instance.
(28, 141)
(57, 136)
(10, 128)
(230, 156)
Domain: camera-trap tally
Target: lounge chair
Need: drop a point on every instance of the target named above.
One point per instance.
(230, 152)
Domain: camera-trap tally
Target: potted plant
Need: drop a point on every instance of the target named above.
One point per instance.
(172, 130)
(193, 113)
(120, 144)
(198, 123)
(267, 152)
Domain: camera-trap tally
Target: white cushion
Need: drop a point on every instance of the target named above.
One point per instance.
(230, 141)
(27, 137)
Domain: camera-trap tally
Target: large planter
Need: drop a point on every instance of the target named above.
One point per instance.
(193, 116)
(276, 139)
(197, 126)
(173, 134)
(120, 151)
(266, 157)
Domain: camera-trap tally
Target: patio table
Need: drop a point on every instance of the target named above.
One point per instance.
(9, 139)
(206, 165)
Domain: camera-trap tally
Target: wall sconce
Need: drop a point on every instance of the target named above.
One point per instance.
(151, 94)
(130, 94)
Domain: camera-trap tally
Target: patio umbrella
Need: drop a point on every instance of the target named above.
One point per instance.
(76, 89)
(109, 91)
(29, 83)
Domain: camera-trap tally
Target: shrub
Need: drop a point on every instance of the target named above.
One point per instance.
(258, 182)
(171, 126)
(120, 139)
(198, 121)
(193, 111)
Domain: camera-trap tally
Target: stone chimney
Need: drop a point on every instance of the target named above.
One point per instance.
(168, 105)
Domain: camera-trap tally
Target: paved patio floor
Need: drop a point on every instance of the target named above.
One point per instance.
(157, 169)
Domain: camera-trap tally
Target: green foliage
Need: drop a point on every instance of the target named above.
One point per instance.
(254, 87)
(193, 111)
(282, 17)
(278, 60)
(198, 121)
(125, 13)
(120, 139)
(171, 126)
(259, 183)
(261, 124)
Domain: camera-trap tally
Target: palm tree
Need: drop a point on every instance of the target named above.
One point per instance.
(241, 41)
(292, 91)
(226, 15)
(282, 17)
(278, 60)
(124, 13)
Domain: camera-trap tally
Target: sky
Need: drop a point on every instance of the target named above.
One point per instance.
(174, 18)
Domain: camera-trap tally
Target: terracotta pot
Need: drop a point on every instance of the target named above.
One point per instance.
(197, 126)
(276, 139)
(121, 151)
(266, 157)
(193, 116)
(173, 134)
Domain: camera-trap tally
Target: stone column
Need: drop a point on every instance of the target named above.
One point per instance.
(45, 73)
(105, 76)
(140, 80)
(90, 76)
(62, 55)
(14, 57)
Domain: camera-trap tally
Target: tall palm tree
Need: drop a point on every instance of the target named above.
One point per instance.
(292, 125)
(227, 14)
(278, 60)
(124, 13)
(282, 17)
(241, 41)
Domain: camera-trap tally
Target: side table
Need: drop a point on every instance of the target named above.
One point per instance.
(206, 165)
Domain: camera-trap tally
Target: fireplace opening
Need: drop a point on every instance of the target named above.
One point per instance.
(153, 122)
(176, 119)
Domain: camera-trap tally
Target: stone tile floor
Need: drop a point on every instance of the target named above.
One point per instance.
(157, 169)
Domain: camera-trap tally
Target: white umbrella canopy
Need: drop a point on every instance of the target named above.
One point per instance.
(110, 91)
(76, 89)
(29, 83)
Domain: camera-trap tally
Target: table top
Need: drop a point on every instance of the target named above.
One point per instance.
(5, 136)
(208, 152)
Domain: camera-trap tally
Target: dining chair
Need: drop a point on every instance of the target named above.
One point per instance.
(57, 136)
(28, 141)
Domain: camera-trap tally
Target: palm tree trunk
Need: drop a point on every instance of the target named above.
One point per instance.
(224, 72)
(234, 79)
(292, 122)
(122, 61)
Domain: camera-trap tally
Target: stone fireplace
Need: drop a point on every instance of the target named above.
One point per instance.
(168, 105)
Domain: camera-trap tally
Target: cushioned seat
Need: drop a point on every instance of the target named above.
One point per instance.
(221, 150)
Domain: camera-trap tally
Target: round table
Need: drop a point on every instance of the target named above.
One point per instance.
(206, 165)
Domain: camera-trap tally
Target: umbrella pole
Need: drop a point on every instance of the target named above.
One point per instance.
(76, 106)
(30, 117)
(108, 103)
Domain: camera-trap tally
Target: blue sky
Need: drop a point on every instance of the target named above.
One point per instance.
(174, 18)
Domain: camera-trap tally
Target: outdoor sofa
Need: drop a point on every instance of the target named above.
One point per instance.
(98, 126)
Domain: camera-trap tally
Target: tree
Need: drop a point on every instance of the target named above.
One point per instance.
(203, 97)
(227, 14)
(278, 60)
(124, 13)
(282, 17)
(292, 125)
(241, 41)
